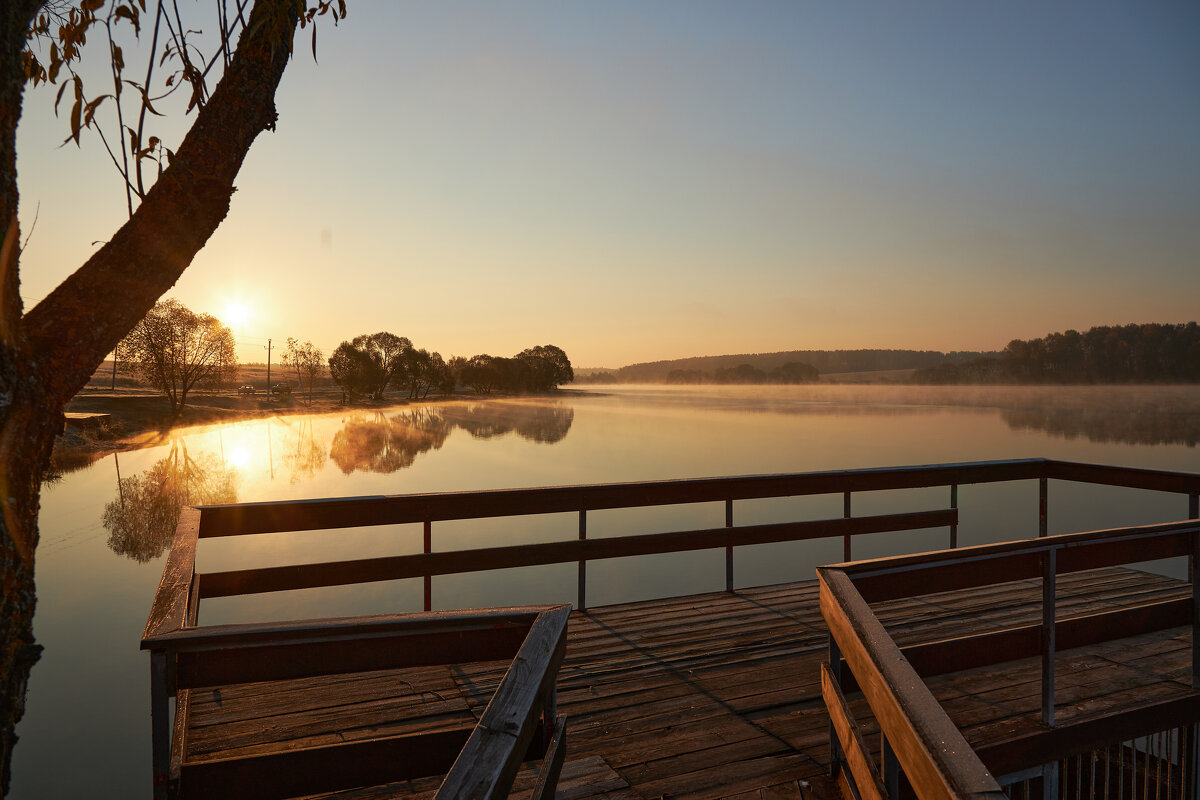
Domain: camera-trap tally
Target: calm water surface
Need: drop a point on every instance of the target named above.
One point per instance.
(105, 527)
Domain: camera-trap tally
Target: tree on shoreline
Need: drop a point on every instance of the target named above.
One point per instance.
(47, 354)
(307, 361)
(173, 349)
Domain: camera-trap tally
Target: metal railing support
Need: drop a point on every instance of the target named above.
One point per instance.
(835, 668)
(1049, 568)
(1050, 781)
(428, 579)
(729, 548)
(891, 768)
(160, 723)
(846, 540)
(582, 604)
(1194, 570)
(1193, 760)
(954, 505)
(1042, 506)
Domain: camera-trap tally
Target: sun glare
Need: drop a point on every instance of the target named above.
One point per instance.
(236, 314)
(239, 457)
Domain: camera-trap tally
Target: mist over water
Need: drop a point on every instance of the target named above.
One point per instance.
(106, 523)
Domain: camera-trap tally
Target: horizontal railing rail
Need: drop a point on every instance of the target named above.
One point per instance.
(297, 515)
(273, 517)
(934, 756)
(337, 573)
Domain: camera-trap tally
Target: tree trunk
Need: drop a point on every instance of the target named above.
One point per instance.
(22, 411)
(48, 354)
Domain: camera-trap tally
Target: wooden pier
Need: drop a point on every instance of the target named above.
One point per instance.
(727, 694)
(718, 695)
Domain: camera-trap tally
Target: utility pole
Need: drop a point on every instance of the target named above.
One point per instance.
(268, 369)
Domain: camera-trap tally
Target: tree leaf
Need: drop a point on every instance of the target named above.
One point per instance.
(76, 110)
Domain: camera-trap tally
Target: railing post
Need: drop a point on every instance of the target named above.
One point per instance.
(846, 538)
(1041, 507)
(550, 714)
(1193, 513)
(891, 768)
(160, 723)
(1193, 760)
(954, 525)
(1050, 781)
(582, 604)
(1049, 568)
(835, 668)
(428, 578)
(729, 548)
(1194, 569)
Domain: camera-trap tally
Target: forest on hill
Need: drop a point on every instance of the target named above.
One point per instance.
(823, 361)
(1146, 353)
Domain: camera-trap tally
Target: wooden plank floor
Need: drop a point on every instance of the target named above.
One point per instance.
(714, 695)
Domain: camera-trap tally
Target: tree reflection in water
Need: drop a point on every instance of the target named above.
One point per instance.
(141, 520)
(382, 444)
(379, 444)
(538, 422)
(308, 457)
(1133, 425)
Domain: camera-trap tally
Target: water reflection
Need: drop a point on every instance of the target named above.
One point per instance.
(1118, 426)
(542, 423)
(378, 443)
(141, 519)
(308, 455)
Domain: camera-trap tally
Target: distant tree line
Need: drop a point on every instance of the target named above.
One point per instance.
(791, 372)
(367, 365)
(824, 361)
(1148, 353)
(537, 369)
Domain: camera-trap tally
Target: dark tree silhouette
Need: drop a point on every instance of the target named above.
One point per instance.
(1147, 353)
(48, 353)
(174, 349)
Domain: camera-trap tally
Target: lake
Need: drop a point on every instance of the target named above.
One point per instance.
(104, 527)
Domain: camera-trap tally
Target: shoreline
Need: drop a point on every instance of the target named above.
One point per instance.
(137, 418)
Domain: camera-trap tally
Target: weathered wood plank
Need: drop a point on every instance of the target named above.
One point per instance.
(488, 761)
(935, 756)
(280, 661)
(297, 772)
(170, 609)
(547, 781)
(946, 570)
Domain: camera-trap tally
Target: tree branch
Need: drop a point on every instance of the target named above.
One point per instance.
(73, 328)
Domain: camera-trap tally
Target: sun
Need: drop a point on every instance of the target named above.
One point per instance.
(236, 314)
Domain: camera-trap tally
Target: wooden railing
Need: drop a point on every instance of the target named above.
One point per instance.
(920, 741)
(177, 604)
(480, 761)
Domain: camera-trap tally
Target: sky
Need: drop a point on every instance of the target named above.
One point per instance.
(639, 181)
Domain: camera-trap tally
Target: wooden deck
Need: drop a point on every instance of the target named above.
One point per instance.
(718, 695)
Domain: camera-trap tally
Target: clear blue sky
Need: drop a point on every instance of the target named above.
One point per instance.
(635, 181)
